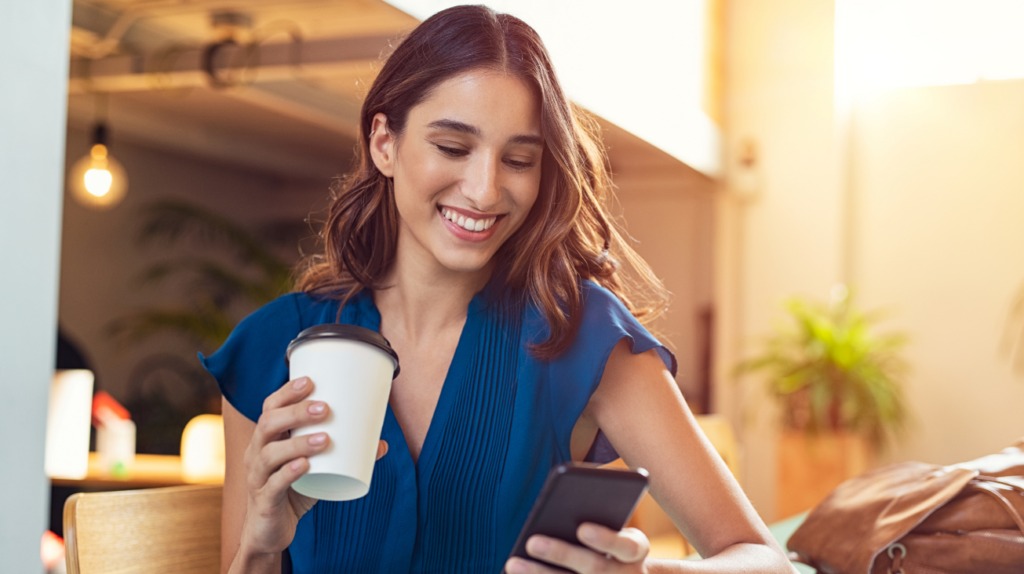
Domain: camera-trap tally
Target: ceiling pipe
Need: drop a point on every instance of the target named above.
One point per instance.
(191, 66)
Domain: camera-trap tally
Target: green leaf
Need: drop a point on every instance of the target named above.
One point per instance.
(830, 362)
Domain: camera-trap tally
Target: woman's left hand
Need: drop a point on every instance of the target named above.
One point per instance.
(605, 550)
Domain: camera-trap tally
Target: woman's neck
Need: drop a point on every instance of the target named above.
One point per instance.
(417, 305)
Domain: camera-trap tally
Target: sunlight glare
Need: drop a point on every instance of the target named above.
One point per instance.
(885, 44)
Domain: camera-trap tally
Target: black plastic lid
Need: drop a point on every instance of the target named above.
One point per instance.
(342, 331)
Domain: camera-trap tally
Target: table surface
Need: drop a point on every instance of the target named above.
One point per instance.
(147, 471)
(783, 529)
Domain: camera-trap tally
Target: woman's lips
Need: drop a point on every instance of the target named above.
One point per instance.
(474, 224)
(469, 227)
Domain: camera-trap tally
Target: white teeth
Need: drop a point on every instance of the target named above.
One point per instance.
(467, 223)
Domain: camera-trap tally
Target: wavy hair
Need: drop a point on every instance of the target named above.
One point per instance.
(567, 237)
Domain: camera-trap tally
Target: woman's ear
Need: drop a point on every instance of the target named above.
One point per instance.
(382, 145)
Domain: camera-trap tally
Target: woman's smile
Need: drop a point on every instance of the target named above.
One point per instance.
(472, 227)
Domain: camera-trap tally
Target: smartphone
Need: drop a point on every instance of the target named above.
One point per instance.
(576, 493)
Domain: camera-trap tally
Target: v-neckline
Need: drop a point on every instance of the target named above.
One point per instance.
(453, 380)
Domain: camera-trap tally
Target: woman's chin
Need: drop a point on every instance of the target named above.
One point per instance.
(468, 264)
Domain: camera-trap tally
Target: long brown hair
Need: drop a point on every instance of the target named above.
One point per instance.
(568, 236)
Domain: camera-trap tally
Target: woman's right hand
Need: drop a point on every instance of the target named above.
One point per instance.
(274, 459)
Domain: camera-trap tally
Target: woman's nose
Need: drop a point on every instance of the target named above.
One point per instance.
(482, 185)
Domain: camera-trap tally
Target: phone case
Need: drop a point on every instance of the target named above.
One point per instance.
(576, 493)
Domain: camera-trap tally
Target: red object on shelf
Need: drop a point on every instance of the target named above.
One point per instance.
(105, 407)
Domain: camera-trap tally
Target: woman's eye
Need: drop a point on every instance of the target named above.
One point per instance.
(519, 164)
(451, 151)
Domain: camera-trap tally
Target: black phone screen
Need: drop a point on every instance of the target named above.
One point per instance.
(577, 493)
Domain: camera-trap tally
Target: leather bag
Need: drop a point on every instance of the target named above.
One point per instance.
(918, 518)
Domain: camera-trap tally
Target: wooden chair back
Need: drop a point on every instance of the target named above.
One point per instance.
(170, 529)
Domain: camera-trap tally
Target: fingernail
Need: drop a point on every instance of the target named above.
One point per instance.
(317, 408)
(300, 383)
(515, 566)
(587, 533)
(538, 545)
(317, 439)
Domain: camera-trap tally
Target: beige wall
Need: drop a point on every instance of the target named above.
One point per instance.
(786, 239)
(916, 203)
(670, 217)
(939, 191)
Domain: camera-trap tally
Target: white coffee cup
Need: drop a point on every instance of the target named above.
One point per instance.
(351, 368)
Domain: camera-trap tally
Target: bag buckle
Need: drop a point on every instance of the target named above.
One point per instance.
(896, 553)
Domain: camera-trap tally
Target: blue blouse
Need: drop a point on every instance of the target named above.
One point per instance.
(502, 421)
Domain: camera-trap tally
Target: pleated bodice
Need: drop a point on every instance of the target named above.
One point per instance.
(502, 421)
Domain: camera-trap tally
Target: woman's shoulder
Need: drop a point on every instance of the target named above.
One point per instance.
(274, 324)
(601, 304)
(250, 364)
(599, 307)
(593, 293)
(301, 301)
(605, 321)
(593, 296)
(282, 305)
(296, 307)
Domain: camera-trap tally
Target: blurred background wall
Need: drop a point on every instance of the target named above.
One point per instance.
(910, 195)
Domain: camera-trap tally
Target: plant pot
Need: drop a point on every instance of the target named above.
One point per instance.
(811, 465)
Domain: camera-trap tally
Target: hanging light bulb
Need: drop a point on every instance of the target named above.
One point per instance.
(98, 180)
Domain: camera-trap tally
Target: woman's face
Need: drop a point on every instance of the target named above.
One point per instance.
(466, 170)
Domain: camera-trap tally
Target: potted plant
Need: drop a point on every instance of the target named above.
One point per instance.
(839, 384)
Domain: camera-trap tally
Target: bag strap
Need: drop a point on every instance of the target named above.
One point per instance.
(991, 486)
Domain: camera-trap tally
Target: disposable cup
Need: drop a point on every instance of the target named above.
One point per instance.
(352, 369)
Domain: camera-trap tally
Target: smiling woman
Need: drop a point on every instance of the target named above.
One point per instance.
(473, 236)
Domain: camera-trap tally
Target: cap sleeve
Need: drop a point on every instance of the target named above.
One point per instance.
(251, 364)
(605, 322)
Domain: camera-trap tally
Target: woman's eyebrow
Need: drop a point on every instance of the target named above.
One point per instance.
(527, 139)
(455, 126)
(462, 127)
